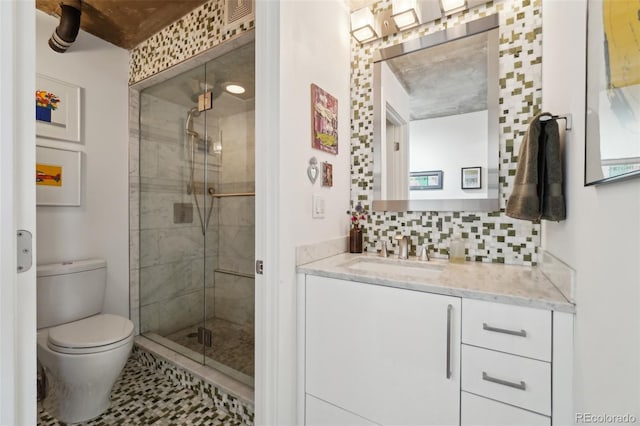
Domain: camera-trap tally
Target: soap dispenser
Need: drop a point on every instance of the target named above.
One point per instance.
(456, 247)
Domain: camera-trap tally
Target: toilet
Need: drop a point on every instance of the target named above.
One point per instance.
(81, 350)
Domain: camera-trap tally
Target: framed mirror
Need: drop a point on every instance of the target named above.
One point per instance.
(613, 92)
(436, 109)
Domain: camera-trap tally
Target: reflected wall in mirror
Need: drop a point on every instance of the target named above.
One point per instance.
(613, 92)
(436, 108)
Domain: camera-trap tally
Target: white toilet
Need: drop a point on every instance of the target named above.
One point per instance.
(82, 351)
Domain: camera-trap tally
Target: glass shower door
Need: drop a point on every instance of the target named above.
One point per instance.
(230, 277)
(172, 242)
(197, 213)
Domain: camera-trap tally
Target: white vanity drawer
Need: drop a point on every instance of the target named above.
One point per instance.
(519, 381)
(508, 328)
(479, 411)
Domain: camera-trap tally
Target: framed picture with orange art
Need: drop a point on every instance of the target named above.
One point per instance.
(57, 175)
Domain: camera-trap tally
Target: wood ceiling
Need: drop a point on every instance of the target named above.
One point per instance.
(125, 23)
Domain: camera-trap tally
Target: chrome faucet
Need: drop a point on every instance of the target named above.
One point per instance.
(403, 246)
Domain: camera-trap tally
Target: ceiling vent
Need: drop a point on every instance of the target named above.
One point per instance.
(239, 11)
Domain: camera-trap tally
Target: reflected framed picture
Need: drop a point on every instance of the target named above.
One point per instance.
(57, 109)
(58, 175)
(324, 121)
(612, 149)
(471, 178)
(421, 181)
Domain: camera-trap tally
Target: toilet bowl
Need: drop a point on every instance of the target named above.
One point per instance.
(82, 361)
(81, 351)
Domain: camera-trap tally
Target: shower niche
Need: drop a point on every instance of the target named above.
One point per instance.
(196, 214)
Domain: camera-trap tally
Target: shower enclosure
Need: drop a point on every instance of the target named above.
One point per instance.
(197, 213)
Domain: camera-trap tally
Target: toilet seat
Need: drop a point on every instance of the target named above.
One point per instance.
(94, 334)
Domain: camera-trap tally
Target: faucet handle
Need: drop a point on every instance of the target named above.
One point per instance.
(383, 249)
(424, 253)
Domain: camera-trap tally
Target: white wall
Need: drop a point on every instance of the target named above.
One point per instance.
(393, 94)
(311, 40)
(99, 227)
(448, 144)
(600, 238)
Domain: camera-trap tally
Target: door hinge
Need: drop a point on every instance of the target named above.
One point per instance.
(205, 336)
(205, 101)
(259, 267)
(25, 252)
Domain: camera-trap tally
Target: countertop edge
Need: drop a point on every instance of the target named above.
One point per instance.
(566, 307)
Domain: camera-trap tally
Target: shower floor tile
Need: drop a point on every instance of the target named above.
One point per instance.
(142, 397)
(232, 344)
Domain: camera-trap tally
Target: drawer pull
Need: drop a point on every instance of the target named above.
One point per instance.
(521, 333)
(488, 378)
(448, 366)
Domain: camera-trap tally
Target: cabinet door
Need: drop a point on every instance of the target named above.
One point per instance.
(386, 354)
(321, 413)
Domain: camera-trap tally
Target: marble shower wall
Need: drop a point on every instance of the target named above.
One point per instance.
(491, 237)
(173, 256)
(177, 265)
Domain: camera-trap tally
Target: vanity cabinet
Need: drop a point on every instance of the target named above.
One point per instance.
(380, 355)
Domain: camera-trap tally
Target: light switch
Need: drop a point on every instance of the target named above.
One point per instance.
(317, 207)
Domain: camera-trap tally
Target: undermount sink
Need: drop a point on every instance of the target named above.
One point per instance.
(412, 268)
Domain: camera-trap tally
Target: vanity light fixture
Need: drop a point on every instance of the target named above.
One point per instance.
(405, 13)
(234, 88)
(452, 6)
(362, 25)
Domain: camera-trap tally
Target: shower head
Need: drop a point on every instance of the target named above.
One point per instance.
(188, 125)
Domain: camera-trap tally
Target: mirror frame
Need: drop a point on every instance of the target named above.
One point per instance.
(492, 202)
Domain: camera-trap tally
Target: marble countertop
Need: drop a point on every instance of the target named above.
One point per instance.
(516, 285)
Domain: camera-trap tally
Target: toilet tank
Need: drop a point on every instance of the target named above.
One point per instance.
(69, 291)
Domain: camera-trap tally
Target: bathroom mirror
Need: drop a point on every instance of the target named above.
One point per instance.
(435, 114)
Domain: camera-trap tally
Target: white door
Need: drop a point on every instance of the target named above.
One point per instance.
(388, 355)
(17, 211)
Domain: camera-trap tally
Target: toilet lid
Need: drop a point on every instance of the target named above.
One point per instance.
(98, 330)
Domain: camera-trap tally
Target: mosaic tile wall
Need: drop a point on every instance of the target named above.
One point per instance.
(239, 410)
(199, 30)
(491, 237)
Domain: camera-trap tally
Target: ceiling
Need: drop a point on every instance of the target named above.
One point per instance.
(447, 79)
(125, 23)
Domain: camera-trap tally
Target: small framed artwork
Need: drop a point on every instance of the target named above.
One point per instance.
(471, 177)
(58, 174)
(324, 121)
(57, 109)
(327, 174)
(421, 181)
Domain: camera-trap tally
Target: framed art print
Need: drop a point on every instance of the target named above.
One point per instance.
(324, 121)
(421, 181)
(471, 178)
(58, 175)
(57, 109)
